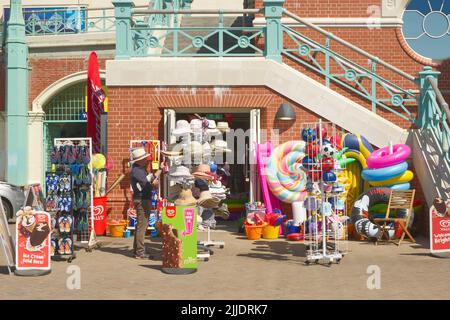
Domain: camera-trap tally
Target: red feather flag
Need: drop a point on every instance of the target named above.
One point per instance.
(96, 97)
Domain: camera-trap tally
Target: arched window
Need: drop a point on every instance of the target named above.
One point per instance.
(426, 28)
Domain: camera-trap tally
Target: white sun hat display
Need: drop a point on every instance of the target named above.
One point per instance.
(223, 126)
(220, 146)
(182, 128)
(212, 128)
(196, 124)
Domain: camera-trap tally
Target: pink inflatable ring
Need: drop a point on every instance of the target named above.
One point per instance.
(381, 157)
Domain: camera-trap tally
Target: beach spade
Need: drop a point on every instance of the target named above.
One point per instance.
(39, 234)
(155, 162)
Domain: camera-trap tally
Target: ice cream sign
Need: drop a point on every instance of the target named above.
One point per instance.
(440, 226)
(32, 240)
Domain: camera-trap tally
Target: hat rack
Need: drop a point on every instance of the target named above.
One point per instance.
(194, 137)
(91, 238)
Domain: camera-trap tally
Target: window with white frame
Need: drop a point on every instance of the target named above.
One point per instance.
(426, 28)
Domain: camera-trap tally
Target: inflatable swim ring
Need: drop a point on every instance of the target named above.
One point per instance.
(384, 173)
(405, 177)
(401, 186)
(381, 157)
(285, 176)
(360, 213)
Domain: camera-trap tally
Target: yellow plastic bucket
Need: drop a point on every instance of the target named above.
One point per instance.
(271, 232)
(116, 229)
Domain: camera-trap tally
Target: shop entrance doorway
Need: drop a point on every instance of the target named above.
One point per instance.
(244, 133)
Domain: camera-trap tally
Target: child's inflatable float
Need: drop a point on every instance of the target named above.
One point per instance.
(360, 214)
(389, 169)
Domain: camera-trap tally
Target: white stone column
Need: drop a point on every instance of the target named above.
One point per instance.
(36, 146)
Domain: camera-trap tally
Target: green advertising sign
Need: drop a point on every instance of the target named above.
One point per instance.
(179, 239)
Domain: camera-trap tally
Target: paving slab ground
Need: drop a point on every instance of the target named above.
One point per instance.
(242, 270)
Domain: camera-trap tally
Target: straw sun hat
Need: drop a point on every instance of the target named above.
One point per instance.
(186, 198)
(138, 154)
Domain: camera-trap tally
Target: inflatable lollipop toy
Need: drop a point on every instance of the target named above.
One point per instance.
(285, 175)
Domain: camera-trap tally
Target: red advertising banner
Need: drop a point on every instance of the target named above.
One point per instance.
(96, 98)
(440, 226)
(33, 229)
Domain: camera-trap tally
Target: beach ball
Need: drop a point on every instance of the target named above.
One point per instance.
(324, 132)
(309, 134)
(336, 141)
(327, 150)
(314, 175)
(312, 149)
(329, 176)
(98, 161)
(213, 167)
(83, 115)
(307, 163)
(327, 164)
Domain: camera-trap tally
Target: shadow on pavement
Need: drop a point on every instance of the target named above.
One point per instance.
(4, 270)
(125, 251)
(276, 250)
(158, 267)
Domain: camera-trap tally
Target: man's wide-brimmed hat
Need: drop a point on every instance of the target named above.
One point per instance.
(138, 154)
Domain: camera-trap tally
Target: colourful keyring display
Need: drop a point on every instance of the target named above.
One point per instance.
(384, 173)
(382, 158)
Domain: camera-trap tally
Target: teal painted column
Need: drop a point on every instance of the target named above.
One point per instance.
(273, 10)
(16, 97)
(425, 116)
(124, 41)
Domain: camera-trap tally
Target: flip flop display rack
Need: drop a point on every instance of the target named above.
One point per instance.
(59, 203)
(73, 202)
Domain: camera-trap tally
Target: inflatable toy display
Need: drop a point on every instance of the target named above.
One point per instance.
(263, 152)
(355, 147)
(285, 176)
(360, 214)
(389, 170)
(356, 142)
(381, 157)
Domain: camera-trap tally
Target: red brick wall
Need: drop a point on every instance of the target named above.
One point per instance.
(136, 113)
(328, 8)
(45, 71)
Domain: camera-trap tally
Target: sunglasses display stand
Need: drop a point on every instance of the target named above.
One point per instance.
(76, 158)
(153, 147)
